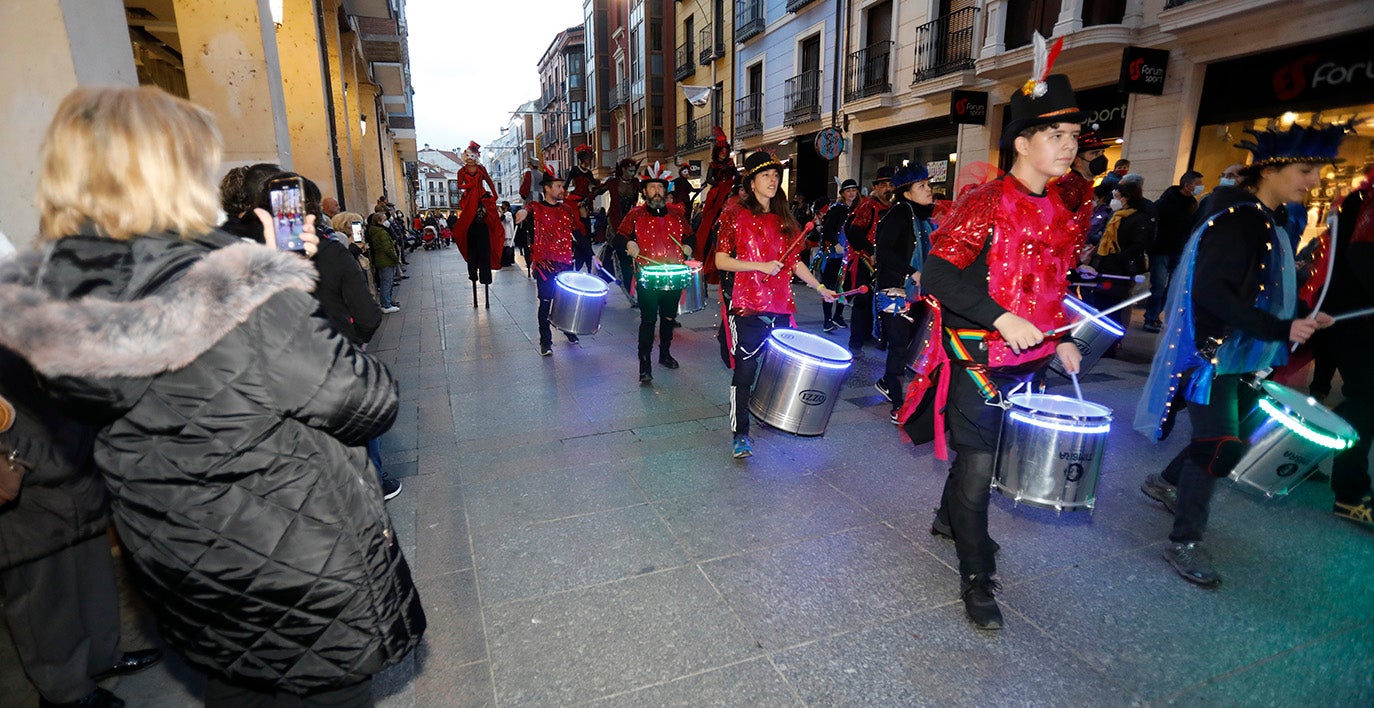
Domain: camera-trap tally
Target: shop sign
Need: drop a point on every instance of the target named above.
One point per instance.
(1339, 71)
(968, 107)
(1106, 111)
(829, 143)
(938, 169)
(1142, 70)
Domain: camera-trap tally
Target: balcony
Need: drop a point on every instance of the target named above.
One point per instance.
(684, 63)
(802, 98)
(867, 72)
(797, 5)
(694, 134)
(622, 153)
(619, 95)
(550, 137)
(710, 50)
(945, 46)
(749, 19)
(749, 115)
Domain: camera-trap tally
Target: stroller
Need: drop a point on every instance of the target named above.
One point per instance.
(430, 238)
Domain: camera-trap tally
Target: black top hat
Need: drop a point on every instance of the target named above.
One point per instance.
(848, 184)
(759, 161)
(549, 177)
(1057, 104)
(884, 175)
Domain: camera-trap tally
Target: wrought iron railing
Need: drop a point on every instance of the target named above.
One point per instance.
(711, 44)
(749, 19)
(684, 63)
(794, 5)
(802, 96)
(619, 95)
(945, 45)
(749, 115)
(694, 134)
(867, 72)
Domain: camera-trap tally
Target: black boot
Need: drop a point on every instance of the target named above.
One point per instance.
(665, 343)
(979, 604)
(646, 369)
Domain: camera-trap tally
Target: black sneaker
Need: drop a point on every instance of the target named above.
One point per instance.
(1161, 491)
(668, 361)
(390, 488)
(839, 321)
(896, 420)
(830, 326)
(646, 373)
(1193, 562)
(572, 338)
(881, 385)
(545, 350)
(979, 603)
(1152, 327)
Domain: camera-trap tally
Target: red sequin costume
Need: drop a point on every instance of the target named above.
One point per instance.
(760, 238)
(659, 237)
(471, 179)
(553, 233)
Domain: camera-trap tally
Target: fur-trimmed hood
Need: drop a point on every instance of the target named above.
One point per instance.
(129, 332)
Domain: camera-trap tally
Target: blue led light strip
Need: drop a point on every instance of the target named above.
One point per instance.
(1091, 428)
(1330, 442)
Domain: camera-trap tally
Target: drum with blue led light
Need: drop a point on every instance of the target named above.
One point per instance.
(1050, 451)
(1093, 339)
(1289, 434)
(799, 379)
(694, 294)
(578, 299)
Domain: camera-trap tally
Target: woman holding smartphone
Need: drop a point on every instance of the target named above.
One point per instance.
(231, 418)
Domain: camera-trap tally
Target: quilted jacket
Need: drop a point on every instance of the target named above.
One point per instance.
(230, 420)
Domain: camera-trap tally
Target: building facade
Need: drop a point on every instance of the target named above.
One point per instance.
(703, 58)
(563, 98)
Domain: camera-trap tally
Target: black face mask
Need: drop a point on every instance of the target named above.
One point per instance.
(1097, 165)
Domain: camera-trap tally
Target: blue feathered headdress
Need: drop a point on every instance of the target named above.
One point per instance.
(1317, 143)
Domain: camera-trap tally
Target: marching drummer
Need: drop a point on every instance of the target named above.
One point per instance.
(901, 245)
(1230, 313)
(655, 233)
(556, 224)
(758, 242)
(997, 268)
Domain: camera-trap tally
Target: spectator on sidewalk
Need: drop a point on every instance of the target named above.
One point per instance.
(1174, 212)
(384, 259)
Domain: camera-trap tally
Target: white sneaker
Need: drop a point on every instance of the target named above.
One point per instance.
(389, 310)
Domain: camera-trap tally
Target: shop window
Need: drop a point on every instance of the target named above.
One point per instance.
(1103, 12)
(1025, 17)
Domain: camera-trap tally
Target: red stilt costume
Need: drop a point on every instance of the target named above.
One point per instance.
(721, 176)
(471, 178)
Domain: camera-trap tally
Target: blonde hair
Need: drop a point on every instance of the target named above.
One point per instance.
(343, 220)
(128, 161)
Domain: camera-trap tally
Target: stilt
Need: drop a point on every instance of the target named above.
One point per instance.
(474, 294)
(486, 290)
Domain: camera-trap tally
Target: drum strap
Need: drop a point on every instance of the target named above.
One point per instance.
(959, 341)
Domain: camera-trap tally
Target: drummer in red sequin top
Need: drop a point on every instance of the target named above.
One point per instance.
(556, 224)
(654, 233)
(998, 267)
(759, 243)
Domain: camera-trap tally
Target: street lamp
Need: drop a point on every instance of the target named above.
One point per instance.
(276, 9)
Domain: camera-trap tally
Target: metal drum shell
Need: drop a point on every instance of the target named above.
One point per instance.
(1050, 460)
(1093, 339)
(694, 295)
(577, 304)
(795, 392)
(1278, 459)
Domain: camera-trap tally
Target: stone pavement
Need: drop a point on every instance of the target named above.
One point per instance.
(580, 538)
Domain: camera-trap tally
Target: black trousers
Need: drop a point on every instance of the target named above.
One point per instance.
(63, 613)
(1195, 469)
(727, 281)
(1350, 470)
(544, 281)
(899, 334)
(479, 259)
(222, 694)
(657, 306)
(830, 278)
(861, 321)
(748, 332)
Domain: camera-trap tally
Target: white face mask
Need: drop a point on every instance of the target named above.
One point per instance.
(1116, 205)
(1197, 190)
(1226, 182)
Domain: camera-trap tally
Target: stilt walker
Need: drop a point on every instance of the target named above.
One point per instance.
(483, 249)
(583, 186)
(472, 179)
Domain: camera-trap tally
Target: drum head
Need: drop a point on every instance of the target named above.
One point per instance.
(581, 283)
(665, 270)
(810, 346)
(1048, 404)
(1308, 412)
(1077, 310)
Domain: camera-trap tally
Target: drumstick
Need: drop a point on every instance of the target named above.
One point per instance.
(1330, 268)
(1352, 315)
(1132, 278)
(856, 291)
(1073, 376)
(615, 280)
(1100, 315)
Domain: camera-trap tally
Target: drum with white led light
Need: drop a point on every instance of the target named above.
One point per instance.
(1093, 339)
(578, 299)
(799, 379)
(1050, 450)
(694, 294)
(1289, 434)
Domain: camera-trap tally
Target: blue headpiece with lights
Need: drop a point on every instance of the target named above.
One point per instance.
(1296, 144)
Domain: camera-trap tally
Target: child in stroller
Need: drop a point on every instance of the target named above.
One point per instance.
(430, 238)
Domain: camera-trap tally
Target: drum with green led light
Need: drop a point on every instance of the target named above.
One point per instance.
(1289, 434)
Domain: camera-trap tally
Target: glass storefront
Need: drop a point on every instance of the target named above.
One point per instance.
(933, 142)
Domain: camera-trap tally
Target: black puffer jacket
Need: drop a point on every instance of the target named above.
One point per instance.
(61, 501)
(231, 417)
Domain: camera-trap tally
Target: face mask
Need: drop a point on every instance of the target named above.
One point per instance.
(1116, 205)
(1227, 182)
(1097, 165)
(1197, 190)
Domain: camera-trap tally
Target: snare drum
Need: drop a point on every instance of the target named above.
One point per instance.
(1050, 451)
(664, 277)
(799, 379)
(694, 295)
(578, 300)
(1289, 434)
(1092, 338)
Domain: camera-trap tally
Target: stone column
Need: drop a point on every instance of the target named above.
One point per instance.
(1070, 17)
(351, 197)
(307, 114)
(49, 47)
(232, 69)
(995, 40)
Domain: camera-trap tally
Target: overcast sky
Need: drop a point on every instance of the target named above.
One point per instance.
(472, 62)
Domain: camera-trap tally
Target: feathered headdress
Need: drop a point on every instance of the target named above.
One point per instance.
(1311, 144)
(655, 173)
(584, 150)
(1041, 64)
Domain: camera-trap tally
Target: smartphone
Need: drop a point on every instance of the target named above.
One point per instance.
(357, 231)
(288, 212)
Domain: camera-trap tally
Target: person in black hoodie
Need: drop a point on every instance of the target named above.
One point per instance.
(1174, 218)
(231, 419)
(902, 244)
